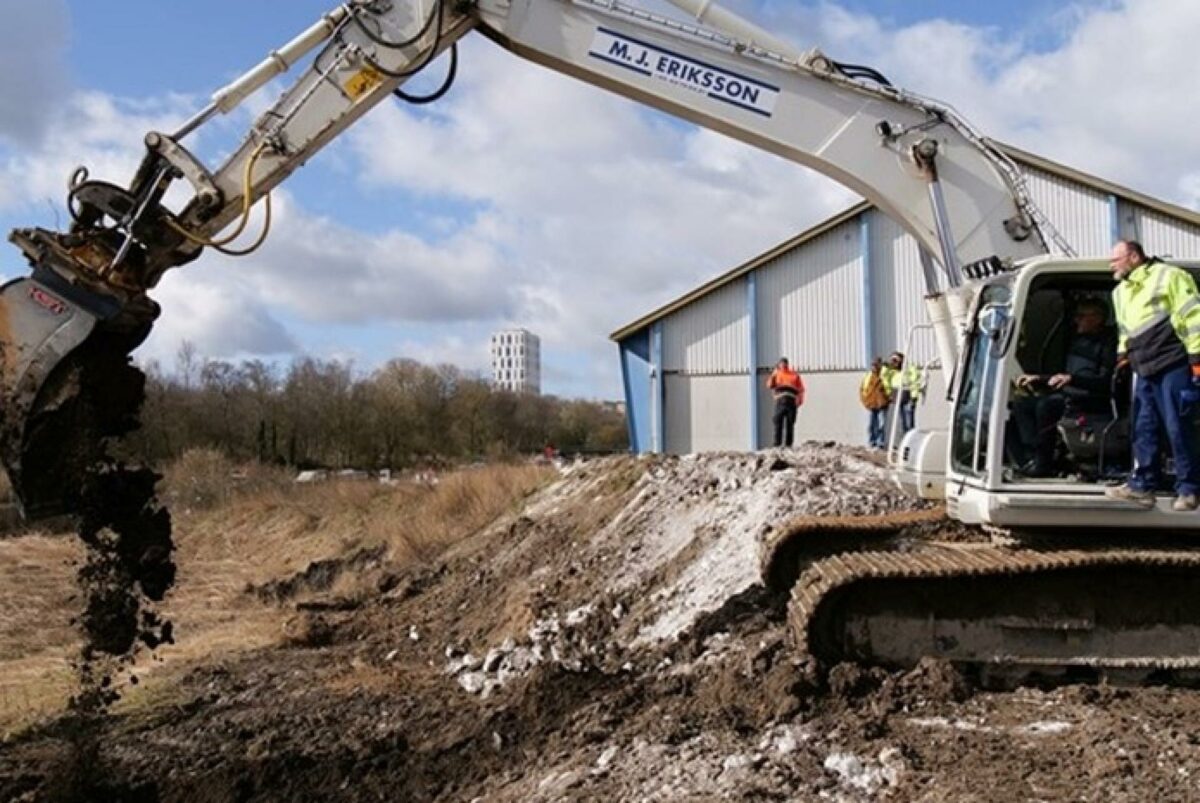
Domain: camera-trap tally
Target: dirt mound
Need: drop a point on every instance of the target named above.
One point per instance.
(610, 640)
(319, 575)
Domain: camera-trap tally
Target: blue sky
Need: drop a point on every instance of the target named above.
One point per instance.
(422, 230)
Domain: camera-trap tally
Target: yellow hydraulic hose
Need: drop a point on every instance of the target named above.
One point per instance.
(247, 177)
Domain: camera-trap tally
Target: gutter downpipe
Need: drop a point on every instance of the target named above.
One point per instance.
(752, 314)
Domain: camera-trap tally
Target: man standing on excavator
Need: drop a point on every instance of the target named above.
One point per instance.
(788, 388)
(1158, 324)
(905, 387)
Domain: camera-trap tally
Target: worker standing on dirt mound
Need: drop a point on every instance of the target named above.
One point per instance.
(1158, 323)
(788, 388)
(873, 393)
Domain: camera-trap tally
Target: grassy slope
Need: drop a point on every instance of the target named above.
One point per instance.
(233, 529)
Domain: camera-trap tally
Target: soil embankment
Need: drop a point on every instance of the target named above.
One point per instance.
(604, 638)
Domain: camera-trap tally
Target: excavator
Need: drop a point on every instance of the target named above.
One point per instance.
(1014, 577)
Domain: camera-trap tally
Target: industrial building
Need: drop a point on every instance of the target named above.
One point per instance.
(517, 361)
(830, 299)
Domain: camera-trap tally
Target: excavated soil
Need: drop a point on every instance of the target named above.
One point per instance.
(611, 641)
(64, 464)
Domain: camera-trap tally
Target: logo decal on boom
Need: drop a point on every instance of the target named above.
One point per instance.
(47, 301)
(653, 61)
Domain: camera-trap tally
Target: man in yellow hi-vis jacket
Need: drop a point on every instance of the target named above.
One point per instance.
(1158, 325)
(906, 386)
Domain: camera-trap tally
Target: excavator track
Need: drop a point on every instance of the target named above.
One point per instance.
(786, 551)
(1011, 614)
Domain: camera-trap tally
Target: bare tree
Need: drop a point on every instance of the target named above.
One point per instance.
(324, 413)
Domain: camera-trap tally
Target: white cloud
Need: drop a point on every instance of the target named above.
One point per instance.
(1109, 97)
(599, 209)
(217, 314)
(325, 271)
(87, 128)
(586, 211)
(469, 354)
(1115, 99)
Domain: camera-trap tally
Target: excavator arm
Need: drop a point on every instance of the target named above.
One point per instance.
(67, 329)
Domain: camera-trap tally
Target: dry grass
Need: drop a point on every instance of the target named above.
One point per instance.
(460, 505)
(233, 529)
(36, 637)
(204, 478)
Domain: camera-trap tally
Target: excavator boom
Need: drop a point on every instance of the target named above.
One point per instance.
(88, 293)
(67, 329)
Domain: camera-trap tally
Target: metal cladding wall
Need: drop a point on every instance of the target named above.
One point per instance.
(705, 367)
(706, 413)
(1163, 235)
(636, 377)
(1082, 214)
(711, 336)
(898, 291)
(832, 411)
(850, 289)
(810, 304)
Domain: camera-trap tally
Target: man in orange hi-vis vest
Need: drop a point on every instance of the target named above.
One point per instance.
(788, 388)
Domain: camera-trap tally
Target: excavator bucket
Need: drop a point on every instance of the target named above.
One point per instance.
(66, 385)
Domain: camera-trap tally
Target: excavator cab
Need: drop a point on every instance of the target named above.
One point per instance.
(1020, 325)
(1079, 431)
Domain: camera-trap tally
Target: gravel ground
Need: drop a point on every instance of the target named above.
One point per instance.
(611, 641)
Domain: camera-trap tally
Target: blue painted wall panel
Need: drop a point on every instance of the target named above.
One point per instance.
(635, 372)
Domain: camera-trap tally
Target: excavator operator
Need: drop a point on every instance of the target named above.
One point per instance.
(1083, 386)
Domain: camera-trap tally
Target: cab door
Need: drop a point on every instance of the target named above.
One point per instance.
(974, 443)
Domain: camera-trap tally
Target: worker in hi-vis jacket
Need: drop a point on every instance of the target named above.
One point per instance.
(788, 388)
(1158, 329)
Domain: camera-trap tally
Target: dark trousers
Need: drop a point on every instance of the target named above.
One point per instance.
(1037, 427)
(1158, 405)
(784, 420)
(907, 408)
(876, 430)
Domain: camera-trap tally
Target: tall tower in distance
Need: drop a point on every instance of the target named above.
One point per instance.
(517, 361)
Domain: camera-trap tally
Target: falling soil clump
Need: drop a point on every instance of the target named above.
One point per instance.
(128, 567)
(128, 535)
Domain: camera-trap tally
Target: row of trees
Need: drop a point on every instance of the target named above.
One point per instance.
(323, 413)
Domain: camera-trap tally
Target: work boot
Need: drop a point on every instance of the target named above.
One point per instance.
(1037, 469)
(1126, 494)
(1185, 502)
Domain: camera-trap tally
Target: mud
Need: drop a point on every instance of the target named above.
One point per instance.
(552, 605)
(129, 561)
(66, 468)
(58, 458)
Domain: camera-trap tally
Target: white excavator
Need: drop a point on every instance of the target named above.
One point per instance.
(1059, 580)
